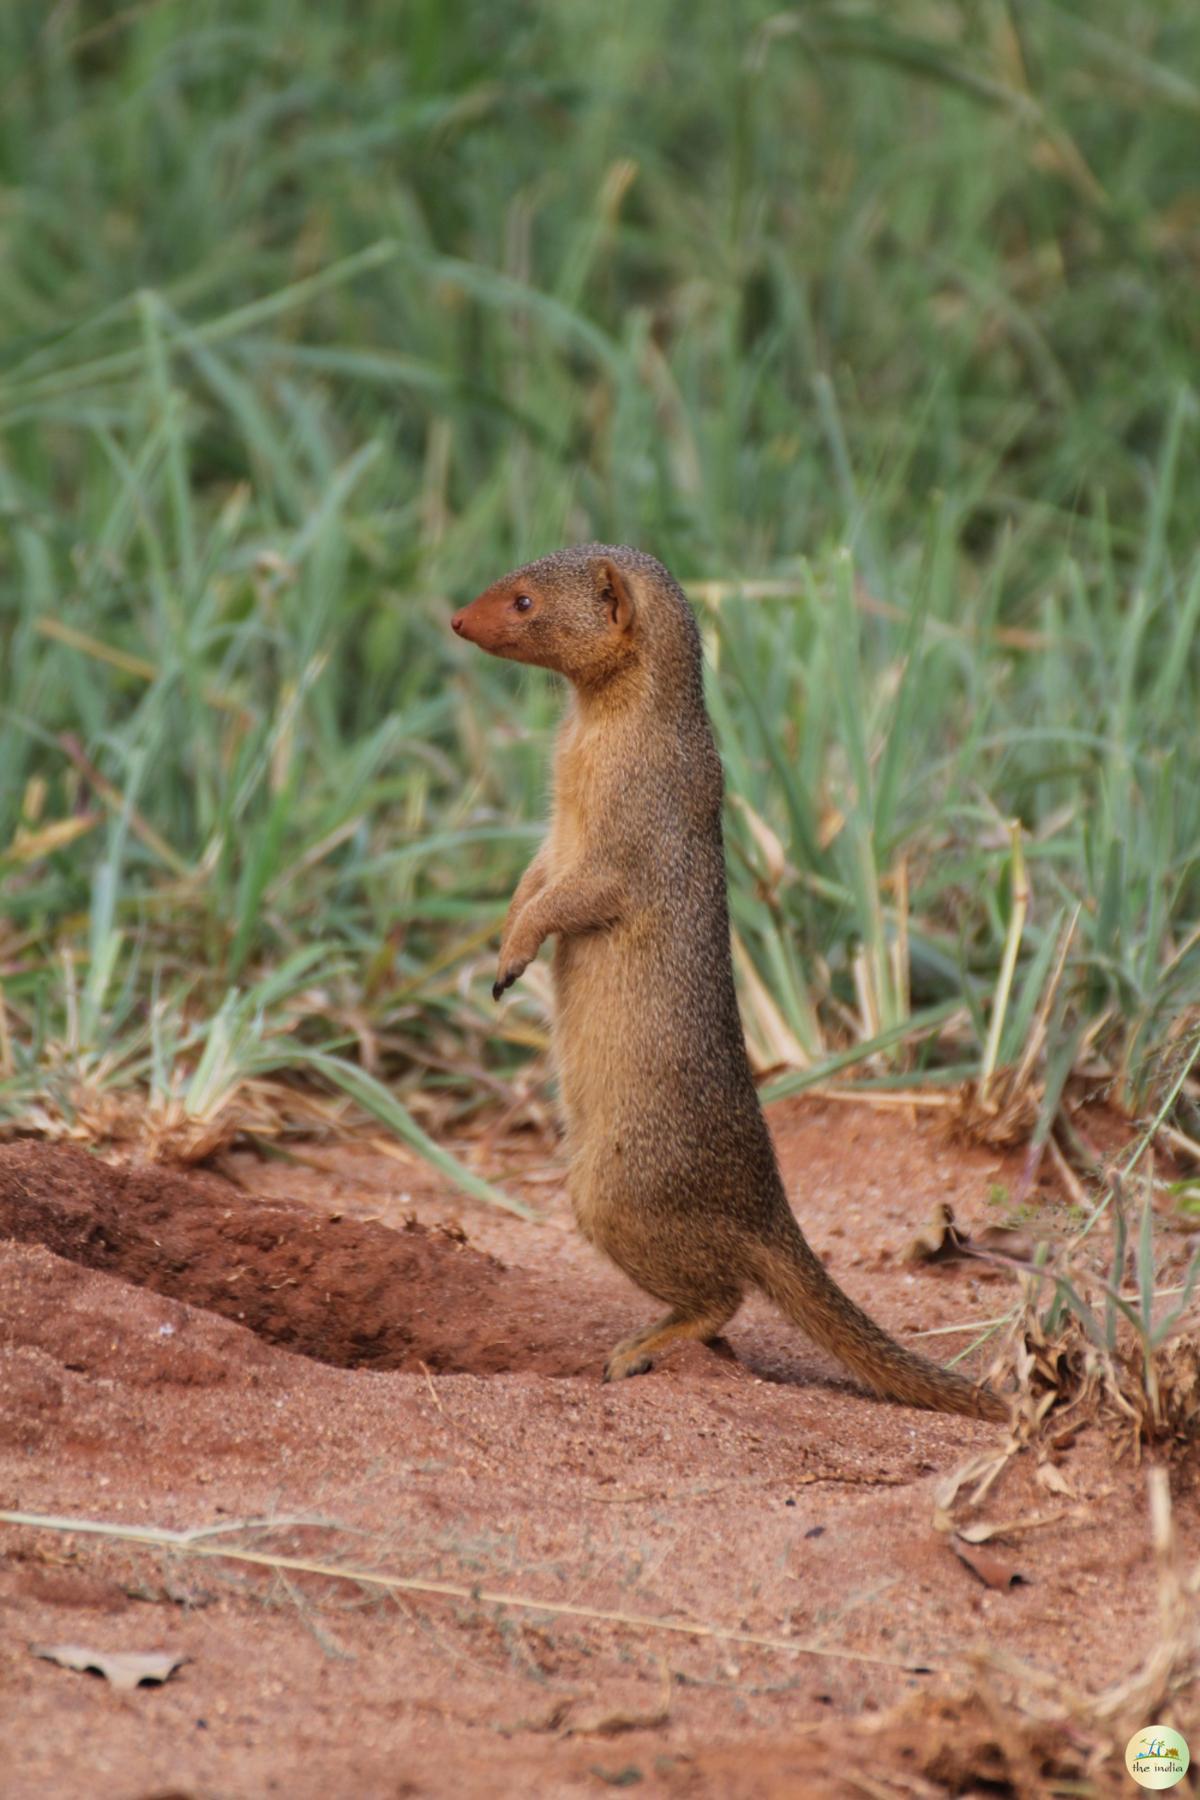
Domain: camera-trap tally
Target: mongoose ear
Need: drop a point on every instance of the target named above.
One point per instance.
(618, 596)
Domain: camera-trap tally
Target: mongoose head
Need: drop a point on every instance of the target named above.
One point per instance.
(590, 613)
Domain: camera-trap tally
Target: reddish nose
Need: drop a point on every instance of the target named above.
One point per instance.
(457, 622)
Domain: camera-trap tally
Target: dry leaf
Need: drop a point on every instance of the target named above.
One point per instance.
(121, 1668)
(1005, 1240)
(978, 1533)
(30, 846)
(1047, 1476)
(829, 825)
(940, 1240)
(994, 1570)
(982, 1468)
(983, 1529)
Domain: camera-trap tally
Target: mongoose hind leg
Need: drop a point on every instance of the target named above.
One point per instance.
(634, 1355)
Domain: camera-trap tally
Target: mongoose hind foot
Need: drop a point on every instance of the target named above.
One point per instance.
(635, 1355)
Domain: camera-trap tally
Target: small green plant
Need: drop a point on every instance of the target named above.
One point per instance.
(1186, 1195)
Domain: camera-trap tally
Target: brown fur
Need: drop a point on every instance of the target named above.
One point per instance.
(673, 1174)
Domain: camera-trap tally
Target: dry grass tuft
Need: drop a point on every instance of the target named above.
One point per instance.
(1141, 1395)
(1160, 1689)
(1001, 1114)
(150, 1128)
(1043, 1734)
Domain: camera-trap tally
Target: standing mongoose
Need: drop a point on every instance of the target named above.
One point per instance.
(672, 1171)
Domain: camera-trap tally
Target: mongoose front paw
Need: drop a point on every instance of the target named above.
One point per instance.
(620, 1364)
(507, 976)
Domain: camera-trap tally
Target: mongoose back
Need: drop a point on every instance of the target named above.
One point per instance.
(672, 1171)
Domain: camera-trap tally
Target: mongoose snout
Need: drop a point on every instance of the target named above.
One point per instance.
(672, 1170)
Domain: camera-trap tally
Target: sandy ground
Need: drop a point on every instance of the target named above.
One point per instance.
(382, 1375)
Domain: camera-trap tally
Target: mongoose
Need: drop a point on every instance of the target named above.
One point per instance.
(672, 1171)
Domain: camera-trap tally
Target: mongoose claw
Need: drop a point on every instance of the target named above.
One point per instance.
(513, 973)
(618, 1367)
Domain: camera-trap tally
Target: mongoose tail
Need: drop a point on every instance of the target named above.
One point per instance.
(791, 1275)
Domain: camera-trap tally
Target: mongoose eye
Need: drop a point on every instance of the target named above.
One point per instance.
(522, 602)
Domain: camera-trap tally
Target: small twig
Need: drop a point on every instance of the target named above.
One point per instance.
(1180, 1142)
(433, 1393)
(967, 1325)
(1066, 1174)
(885, 1097)
(157, 1537)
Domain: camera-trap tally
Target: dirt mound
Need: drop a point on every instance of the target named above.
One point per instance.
(764, 1496)
(349, 1292)
(69, 1333)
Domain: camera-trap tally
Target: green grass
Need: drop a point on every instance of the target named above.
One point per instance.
(311, 325)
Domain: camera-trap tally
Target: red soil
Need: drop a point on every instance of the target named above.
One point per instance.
(320, 1344)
